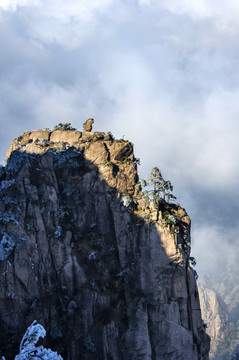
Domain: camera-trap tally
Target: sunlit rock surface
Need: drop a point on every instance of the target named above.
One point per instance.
(85, 255)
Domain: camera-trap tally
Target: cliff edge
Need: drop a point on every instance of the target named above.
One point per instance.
(86, 255)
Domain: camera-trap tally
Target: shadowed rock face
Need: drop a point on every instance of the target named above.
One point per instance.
(105, 279)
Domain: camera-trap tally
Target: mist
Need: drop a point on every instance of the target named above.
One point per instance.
(163, 75)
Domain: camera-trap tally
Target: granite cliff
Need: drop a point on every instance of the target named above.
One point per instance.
(83, 253)
(216, 315)
(219, 300)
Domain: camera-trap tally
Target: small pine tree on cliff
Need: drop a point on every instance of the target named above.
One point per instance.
(161, 189)
(64, 127)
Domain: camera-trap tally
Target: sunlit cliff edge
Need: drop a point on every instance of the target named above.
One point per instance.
(86, 255)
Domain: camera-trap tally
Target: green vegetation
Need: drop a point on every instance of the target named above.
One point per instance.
(43, 142)
(160, 195)
(162, 189)
(109, 163)
(64, 127)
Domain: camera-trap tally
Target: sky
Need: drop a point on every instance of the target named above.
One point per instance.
(163, 74)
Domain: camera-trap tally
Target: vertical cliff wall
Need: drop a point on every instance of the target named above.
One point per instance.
(216, 316)
(83, 253)
(220, 310)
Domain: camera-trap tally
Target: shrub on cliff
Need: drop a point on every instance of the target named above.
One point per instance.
(64, 127)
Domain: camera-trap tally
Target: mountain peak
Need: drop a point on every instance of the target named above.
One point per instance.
(85, 251)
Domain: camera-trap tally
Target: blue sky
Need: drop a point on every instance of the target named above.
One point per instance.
(163, 73)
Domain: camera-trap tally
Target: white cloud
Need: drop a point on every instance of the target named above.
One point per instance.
(65, 23)
(59, 9)
(203, 8)
(164, 74)
(218, 244)
(82, 10)
(12, 5)
(181, 91)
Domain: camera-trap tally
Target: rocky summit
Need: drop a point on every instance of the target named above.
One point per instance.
(87, 255)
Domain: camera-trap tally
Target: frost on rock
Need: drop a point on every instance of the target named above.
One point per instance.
(28, 350)
(15, 161)
(58, 232)
(2, 171)
(5, 184)
(70, 158)
(93, 256)
(8, 243)
(128, 201)
(9, 216)
(10, 195)
(31, 337)
(89, 345)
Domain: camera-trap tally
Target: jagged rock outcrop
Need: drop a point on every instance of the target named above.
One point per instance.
(87, 126)
(84, 254)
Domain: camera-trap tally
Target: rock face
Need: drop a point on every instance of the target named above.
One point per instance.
(84, 254)
(215, 314)
(87, 126)
(220, 310)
